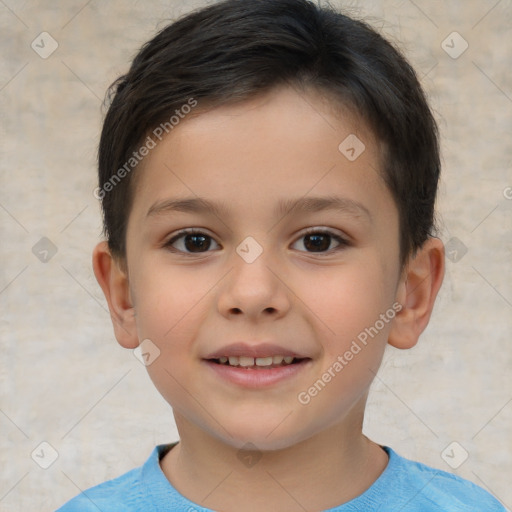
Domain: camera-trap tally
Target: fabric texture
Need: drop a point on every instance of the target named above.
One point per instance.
(404, 485)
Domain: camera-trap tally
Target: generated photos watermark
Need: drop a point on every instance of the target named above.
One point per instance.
(149, 143)
(357, 345)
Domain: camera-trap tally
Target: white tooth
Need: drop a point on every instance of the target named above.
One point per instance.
(223, 359)
(288, 359)
(264, 361)
(277, 359)
(246, 361)
(233, 360)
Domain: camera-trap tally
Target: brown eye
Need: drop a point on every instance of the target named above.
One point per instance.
(318, 241)
(197, 243)
(190, 242)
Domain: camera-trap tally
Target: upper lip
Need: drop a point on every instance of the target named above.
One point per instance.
(253, 350)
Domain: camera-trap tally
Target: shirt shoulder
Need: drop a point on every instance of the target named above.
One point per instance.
(415, 487)
(124, 491)
(144, 488)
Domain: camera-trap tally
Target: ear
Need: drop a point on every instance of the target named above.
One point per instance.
(112, 276)
(417, 291)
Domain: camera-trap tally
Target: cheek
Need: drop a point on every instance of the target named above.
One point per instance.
(169, 304)
(347, 314)
(348, 306)
(170, 308)
(349, 300)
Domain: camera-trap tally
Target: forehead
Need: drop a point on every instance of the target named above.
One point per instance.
(271, 149)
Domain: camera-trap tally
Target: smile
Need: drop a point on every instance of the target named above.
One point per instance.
(257, 363)
(257, 372)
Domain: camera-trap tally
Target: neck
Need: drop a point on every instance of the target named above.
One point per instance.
(321, 472)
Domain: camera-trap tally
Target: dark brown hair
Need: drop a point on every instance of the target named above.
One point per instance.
(236, 49)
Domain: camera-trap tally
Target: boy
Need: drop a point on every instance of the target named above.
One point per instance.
(268, 173)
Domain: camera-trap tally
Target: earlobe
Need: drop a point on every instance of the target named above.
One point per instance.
(417, 292)
(113, 280)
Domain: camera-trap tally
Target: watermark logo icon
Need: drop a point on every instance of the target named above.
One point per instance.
(455, 249)
(44, 455)
(44, 250)
(249, 455)
(147, 352)
(454, 45)
(454, 455)
(249, 249)
(44, 45)
(352, 147)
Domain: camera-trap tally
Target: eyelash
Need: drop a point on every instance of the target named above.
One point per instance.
(343, 242)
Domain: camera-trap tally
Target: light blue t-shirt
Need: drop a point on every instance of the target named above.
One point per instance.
(404, 485)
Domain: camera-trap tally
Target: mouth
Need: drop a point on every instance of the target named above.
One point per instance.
(254, 373)
(258, 363)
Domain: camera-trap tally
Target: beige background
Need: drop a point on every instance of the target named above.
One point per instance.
(63, 378)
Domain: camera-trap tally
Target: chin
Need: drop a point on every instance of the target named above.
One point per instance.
(266, 434)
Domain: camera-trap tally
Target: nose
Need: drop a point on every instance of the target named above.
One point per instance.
(254, 290)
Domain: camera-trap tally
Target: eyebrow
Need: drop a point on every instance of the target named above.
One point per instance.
(283, 207)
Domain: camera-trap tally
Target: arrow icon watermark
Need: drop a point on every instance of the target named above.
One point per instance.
(147, 352)
(352, 147)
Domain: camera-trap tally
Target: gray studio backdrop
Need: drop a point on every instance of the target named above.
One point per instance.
(77, 409)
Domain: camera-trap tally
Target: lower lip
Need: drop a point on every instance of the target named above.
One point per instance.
(250, 378)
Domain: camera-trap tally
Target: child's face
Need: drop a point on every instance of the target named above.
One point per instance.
(312, 296)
